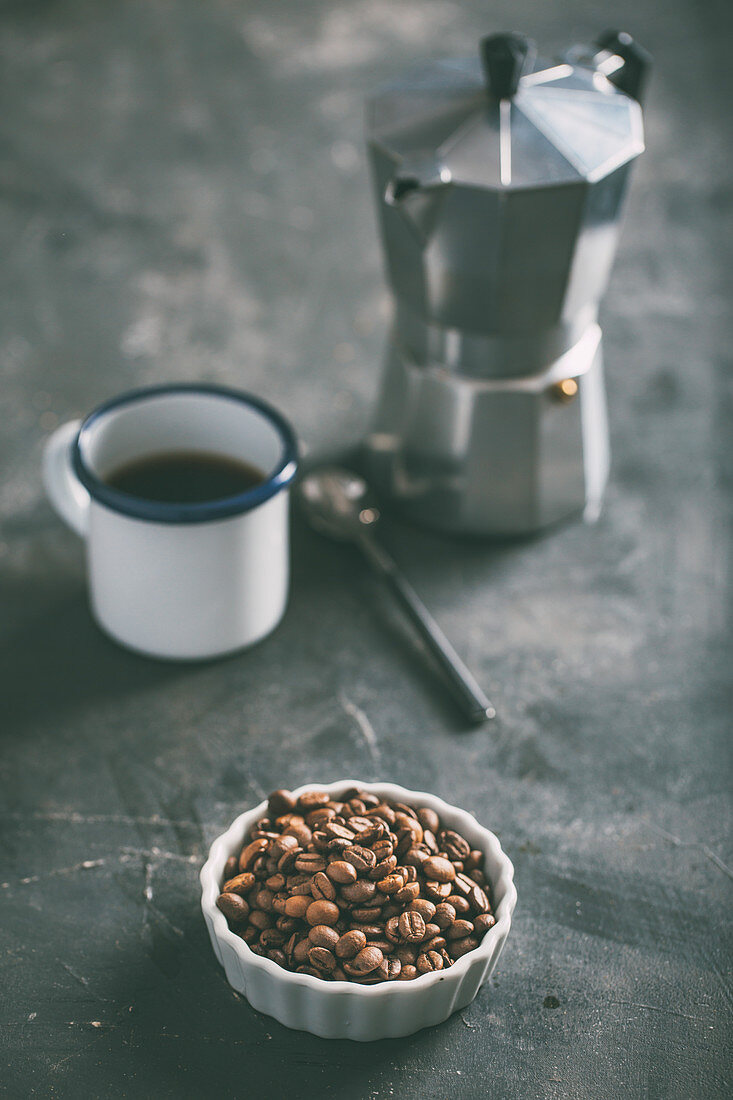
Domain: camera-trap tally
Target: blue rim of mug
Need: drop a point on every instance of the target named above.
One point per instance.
(201, 511)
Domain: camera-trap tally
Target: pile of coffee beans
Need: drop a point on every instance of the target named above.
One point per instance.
(356, 888)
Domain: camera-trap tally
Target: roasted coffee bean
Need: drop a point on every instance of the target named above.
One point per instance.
(275, 882)
(458, 948)
(439, 869)
(391, 884)
(362, 858)
(277, 956)
(478, 877)
(371, 931)
(309, 970)
(258, 949)
(367, 915)
(321, 958)
(234, 907)
(308, 863)
(350, 944)
(408, 837)
(322, 887)
(409, 893)
(311, 800)
(429, 961)
(249, 854)
(279, 803)
(454, 845)
(369, 837)
(392, 929)
(430, 842)
(298, 906)
(318, 818)
(390, 910)
(383, 811)
(459, 903)
(384, 946)
(272, 937)
(437, 943)
(428, 819)
(301, 949)
(289, 945)
(359, 892)
(322, 912)
(260, 919)
(473, 861)
(250, 934)
(437, 891)
(483, 922)
(230, 868)
(302, 834)
(383, 849)
(431, 930)
(286, 863)
(336, 848)
(360, 825)
(289, 819)
(408, 972)
(415, 857)
(478, 900)
(323, 935)
(389, 970)
(444, 915)
(282, 847)
(459, 930)
(463, 885)
(368, 959)
(286, 925)
(425, 908)
(260, 867)
(319, 844)
(338, 832)
(384, 868)
(262, 899)
(300, 884)
(411, 927)
(240, 884)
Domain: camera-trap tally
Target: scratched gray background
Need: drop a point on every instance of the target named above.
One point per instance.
(183, 196)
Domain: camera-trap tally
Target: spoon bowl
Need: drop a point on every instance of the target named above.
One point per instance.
(338, 503)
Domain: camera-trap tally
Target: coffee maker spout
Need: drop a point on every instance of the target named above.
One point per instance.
(417, 193)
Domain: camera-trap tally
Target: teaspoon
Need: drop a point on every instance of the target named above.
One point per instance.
(338, 504)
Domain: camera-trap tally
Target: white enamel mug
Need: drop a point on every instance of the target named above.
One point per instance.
(184, 581)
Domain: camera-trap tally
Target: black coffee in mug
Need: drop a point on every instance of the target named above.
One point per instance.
(185, 477)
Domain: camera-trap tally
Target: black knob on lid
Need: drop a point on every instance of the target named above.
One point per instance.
(631, 77)
(505, 58)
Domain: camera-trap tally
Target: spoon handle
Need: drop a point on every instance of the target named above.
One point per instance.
(474, 704)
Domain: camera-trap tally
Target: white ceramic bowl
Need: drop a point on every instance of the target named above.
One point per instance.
(343, 1010)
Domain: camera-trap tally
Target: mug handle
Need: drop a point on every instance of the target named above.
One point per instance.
(63, 488)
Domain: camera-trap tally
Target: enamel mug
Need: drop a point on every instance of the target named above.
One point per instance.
(184, 581)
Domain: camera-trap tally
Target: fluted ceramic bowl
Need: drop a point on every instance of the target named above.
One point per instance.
(344, 1010)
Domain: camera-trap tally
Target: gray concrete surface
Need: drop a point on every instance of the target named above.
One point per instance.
(183, 196)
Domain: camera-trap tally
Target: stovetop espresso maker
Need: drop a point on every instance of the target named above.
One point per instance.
(499, 181)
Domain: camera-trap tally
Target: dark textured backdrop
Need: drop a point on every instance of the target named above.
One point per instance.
(183, 195)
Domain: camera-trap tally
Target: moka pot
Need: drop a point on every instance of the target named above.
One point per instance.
(499, 182)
